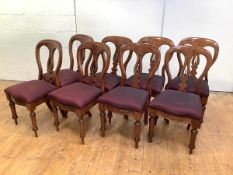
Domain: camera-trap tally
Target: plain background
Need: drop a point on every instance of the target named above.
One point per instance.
(25, 22)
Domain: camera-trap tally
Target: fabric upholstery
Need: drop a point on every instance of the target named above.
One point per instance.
(77, 94)
(157, 82)
(179, 104)
(30, 91)
(111, 81)
(127, 98)
(66, 76)
(204, 91)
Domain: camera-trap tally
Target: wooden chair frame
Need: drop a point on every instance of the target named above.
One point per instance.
(30, 106)
(189, 53)
(96, 49)
(82, 39)
(201, 42)
(140, 50)
(118, 42)
(157, 42)
(52, 46)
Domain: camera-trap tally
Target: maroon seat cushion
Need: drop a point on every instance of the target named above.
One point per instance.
(111, 81)
(190, 86)
(157, 82)
(77, 94)
(66, 76)
(127, 98)
(179, 104)
(30, 91)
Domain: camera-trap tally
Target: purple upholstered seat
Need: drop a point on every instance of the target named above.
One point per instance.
(157, 82)
(127, 98)
(111, 81)
(30, 91)
(179, 104)
(77, 94)
(204, 91)
(66, 76)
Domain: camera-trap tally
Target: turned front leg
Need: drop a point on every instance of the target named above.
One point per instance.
(34, 123)
(82, 128)
(192, 139)
(137, 129)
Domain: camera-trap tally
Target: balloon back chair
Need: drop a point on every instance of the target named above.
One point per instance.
(80, 97)
(130, 100)
(180, 105)
(33, 93)
(58, 77)
(199, 42)
(112, 80)
(157, 81)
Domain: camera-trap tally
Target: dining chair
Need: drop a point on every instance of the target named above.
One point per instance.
(33, 93)
(60, 77)
(199, 42)
(81, 96)
(130, 100)
(112, 80)
(180, 105)
(157, 81)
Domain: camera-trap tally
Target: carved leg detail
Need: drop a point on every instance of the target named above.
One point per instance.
(110, 116)
(82, 129)
(34, 124)
(126, 117)
(166, 121)
(103, 123)
(13, 111)
(137, 128)
(89, 113)
(192, 140)
(188, 126)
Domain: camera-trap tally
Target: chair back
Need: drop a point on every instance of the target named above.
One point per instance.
(52, 70)
(89, 69)
(157, 42)
(201, 42)
(187, 70)
(140, 50)
(82, 39)
(118, 41)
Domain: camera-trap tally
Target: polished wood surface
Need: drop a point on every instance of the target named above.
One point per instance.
(61, 152)
(52, 69)
(117, 41)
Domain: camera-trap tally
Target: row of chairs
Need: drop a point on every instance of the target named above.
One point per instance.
(183, 99)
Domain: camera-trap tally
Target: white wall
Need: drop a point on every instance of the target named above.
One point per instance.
(130, 18)
(24, 22)
(211, 19)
